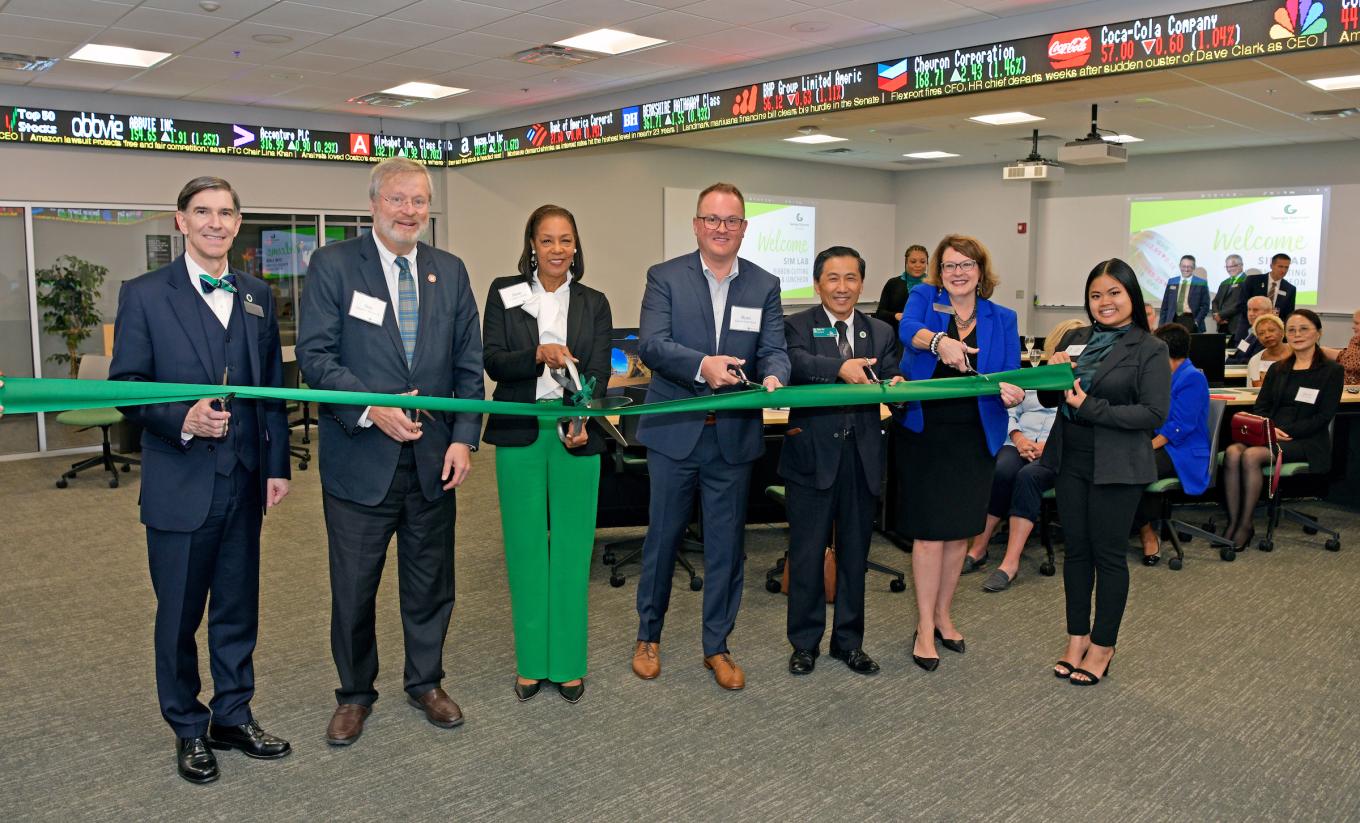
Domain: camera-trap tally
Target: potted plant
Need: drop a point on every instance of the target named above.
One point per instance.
(68, 292)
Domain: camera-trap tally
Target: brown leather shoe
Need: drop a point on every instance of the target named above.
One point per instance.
(439, 708)
(647, 660)
(346, 724)
(726, 671)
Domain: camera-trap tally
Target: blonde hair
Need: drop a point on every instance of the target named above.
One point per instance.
(1057, 333)
(1269, 318)
(972, 249)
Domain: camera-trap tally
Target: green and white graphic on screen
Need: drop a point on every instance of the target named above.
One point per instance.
(1255, 225)
(781, 238)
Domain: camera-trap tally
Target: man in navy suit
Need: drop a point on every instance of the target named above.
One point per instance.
(386, 313)
(1186, 299)
(832, 461)
(209, 469)
(1274, 287)
(706, 316)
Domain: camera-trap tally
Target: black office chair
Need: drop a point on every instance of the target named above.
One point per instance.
(633, 461)
(294, 379)
(775, 576)
(1179, 530)
(292, 376)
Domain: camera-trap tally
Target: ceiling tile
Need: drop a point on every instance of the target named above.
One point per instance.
(486, 45)
(597, 13)
(748, 42)
(385, 30)
(911, 16)
(33, 46)
(232, 10)
(674, 25)
(173, 22)
(536, 28)
(748, 11)
(451, 13)
(434, 60)
(385, 75)
(17, 25)
(292, 15)
(150, 41)
(85, 75)
(685, 55)
(317, 63)
(354, 47)
(504, 69)
(368, 7)
(839, 28)
(86, 11)
(16, 78)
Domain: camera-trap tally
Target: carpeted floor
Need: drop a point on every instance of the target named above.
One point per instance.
(1231, 697)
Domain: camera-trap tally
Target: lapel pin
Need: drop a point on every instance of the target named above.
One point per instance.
(250, 298)
(863, 334)
(430, 277)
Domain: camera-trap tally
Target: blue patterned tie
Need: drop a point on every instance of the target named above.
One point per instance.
(408, 315)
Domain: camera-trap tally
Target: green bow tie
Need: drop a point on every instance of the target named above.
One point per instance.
(207, 282)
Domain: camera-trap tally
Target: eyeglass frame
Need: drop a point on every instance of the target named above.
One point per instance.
(399, 201)
(713, 221)
(965, 266)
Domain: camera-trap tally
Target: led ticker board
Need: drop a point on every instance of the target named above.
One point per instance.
(119, 131)
(1247, 30)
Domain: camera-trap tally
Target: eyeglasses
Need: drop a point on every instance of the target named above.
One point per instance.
(713, 221)
(965, 267)
(400, 201)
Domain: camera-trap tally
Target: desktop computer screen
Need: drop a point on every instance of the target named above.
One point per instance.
(625, 365)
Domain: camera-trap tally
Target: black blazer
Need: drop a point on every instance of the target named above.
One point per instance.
(1127, 400)
(1305, 423)
(1258, 285)
(510, 339)
(811, 452)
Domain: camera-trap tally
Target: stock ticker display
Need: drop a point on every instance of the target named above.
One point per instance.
(1247, 30)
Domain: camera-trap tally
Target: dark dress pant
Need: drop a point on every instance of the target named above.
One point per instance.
(847, 509)
(723, 489)
(221, 558)
(358, 536)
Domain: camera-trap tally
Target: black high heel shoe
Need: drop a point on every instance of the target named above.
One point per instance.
(952, 645)
(525, 691)
(572, 693)
(1091, 678)
(930, 664)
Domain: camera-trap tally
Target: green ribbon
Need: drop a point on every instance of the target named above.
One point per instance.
(27, 395)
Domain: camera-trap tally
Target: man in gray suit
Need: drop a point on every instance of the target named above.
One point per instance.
(1229, 303)
(385, 313)
(707, 317)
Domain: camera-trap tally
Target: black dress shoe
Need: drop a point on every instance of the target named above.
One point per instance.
(802, 661)
(571, 694)
(249, 738)
(195, 760)
(953, 645)
(1151, 559)
(930, 664)
(526, 691)
(856, 660)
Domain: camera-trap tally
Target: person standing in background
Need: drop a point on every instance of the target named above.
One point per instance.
(1273, 286)
(1186, 299)
(1229, 301)
(895, 291)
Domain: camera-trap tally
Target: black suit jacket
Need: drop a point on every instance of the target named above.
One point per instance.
(1258, 285)
(336, 350)
(811, 454)
(1129, 397)
(509, 342)
(158, 337)
(1306, 423)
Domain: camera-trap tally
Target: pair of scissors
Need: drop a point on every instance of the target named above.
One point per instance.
(224, 402)
(584, 396)
(741, 375)
(874, 378)
(968, 368)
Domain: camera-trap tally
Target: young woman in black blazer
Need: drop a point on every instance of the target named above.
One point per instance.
(1300, 395)
(1101, 449)
(535, 323)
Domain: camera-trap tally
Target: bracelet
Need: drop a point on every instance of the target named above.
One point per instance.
(935, 343)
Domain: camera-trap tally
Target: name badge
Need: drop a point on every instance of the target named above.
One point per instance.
(368, 309)
(944, 308)
(1308, 396)
(824, 331)
(516, 295)
(253, 308)
(745, 319)
(1075, 349)
(1243, 346)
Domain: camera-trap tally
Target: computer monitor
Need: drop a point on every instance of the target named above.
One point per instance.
(1206, 353)
(625, 365)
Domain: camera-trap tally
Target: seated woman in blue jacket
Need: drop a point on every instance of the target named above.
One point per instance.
(1181, 444)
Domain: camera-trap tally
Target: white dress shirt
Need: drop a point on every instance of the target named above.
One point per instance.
(717, 292)
(391, 274)
(550, 309)
(219, 300)
(849, 328)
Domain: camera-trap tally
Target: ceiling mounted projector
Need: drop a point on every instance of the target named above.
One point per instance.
(1033, 169)
(1093, 149)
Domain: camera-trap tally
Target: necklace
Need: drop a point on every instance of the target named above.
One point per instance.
(960, 320)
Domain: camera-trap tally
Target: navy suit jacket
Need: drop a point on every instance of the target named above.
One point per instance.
(1258, 285)
(159, 336)
(676, 333)
(338, 351)
(811, 455)
(998, 344)
(1199, 301)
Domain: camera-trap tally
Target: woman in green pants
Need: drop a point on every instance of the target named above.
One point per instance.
(534, 323)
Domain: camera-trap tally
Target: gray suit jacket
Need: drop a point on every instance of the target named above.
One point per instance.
(336, 350)
(1127, 400)
(675, 334)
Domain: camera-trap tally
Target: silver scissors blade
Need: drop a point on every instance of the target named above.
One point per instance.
(570, 380)
(741, 375)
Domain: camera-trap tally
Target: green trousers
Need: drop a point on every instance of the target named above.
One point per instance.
(549, 571)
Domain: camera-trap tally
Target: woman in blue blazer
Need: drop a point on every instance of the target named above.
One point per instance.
(947, 450)
(1181, 444)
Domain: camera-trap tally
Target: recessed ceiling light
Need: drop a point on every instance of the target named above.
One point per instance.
(609, 41)
(271, 39)
(429, 91)
(929, 155)
(118, 56)
(814, 138)
(1351, 81)
(1120, 138)
(1006, 118)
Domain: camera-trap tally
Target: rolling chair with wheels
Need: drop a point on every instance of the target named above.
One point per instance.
(1179, 530)
(96, 367)
(774, 577)
(293, 377)
(620, 553)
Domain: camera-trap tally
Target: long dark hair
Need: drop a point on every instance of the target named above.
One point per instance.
(1319, 356)
(1123, 274)
(526, 256)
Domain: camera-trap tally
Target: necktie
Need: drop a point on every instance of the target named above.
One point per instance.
(843, 341)
(226, 283)
(1185, 296)
(407, 314)
(1274, 290)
